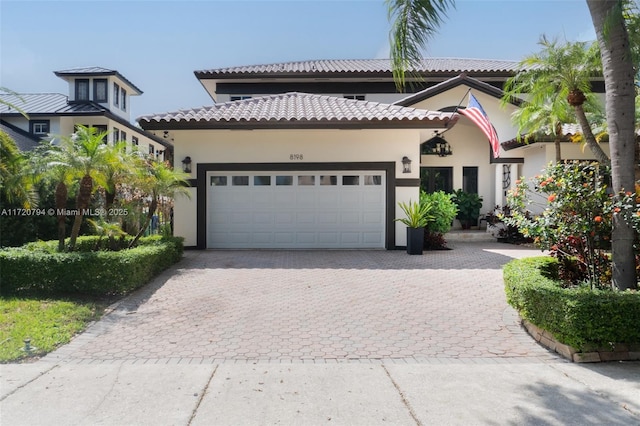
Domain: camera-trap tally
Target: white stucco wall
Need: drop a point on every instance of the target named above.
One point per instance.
(276, 146)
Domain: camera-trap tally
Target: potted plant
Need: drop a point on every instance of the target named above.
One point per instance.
(469, 205)
(417, 215)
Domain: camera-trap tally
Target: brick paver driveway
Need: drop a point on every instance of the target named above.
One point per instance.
(317, 306)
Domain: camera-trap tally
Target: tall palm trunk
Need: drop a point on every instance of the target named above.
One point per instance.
(589, 137)
(61, 204)
(618, 72)
(557, 142)
(152, 210)
(82, 203)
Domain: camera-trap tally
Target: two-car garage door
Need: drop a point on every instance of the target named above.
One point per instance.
(315, 209)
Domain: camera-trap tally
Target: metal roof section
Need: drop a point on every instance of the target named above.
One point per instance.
(462, 79)
(47, 104)
(33, 103)
(299, 110)
(24, 140)
(95, 71)
(361, 66)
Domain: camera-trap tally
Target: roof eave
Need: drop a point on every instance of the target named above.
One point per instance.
(297, 124)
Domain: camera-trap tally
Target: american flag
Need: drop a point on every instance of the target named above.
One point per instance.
(476, 114)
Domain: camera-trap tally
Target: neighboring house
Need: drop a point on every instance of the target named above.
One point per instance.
(98, 97)
(310, 154)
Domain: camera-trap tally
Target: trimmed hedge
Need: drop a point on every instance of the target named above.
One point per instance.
(579, 316)
(36, 269)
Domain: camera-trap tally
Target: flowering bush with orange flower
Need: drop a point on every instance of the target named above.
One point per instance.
(573, 219)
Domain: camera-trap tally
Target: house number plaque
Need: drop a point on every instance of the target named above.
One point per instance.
(295, 157)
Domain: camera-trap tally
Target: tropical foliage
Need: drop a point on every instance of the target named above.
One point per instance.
(612, 21)
(576, 219)
(81, 176)
(556, 84)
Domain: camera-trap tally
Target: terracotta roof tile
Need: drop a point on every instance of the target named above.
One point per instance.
(332, 66)
(303, 108)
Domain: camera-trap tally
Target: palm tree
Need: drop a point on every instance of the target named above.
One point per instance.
(414, 23)
(159, 180)
(17, 181)
(560, 72)
(609, 21)
(85, 154)
(611, 18)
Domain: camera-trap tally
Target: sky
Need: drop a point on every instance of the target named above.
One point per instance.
(158, 45)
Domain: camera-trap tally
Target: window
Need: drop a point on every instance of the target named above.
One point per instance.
(239, 97)
(152, 150)
(350, 180)
(123, 136)
(134, 141)
(39, 127)
(240, 180)
(116, 135)
(284, 180)
(116, 94)
(306, 180)
(434, 179)
(261, 180)
(82, 89)
(356, 97)
(470, 179)
(100, 128)
(328, 180)
(123, 95)
(373, 180)
(100, 90)
(218, 181)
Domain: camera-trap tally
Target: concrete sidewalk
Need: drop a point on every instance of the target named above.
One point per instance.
(444, 393)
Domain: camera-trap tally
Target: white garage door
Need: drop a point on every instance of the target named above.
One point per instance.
(330, 209)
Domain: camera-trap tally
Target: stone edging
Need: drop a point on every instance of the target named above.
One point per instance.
(621, 352)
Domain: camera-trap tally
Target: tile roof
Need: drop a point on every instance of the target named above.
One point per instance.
(23, 139)
(47, 103)
(568, 130)
(357, 66)
(97, 71)
(299, 110)
(462, 79)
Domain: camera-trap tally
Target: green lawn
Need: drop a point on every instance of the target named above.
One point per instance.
(49, 323)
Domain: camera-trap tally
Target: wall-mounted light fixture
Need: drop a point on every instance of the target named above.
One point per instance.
(406, 165)
(437, 145)
(186, 165)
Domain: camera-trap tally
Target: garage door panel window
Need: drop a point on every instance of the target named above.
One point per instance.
(328, 180)
(240, 180)
(373, 180)
(261, 180)
(306, 180)
(218, 181)
(284, 180)
(350, 180)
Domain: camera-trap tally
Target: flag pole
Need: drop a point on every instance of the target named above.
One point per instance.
(456, 108)
(461, 100)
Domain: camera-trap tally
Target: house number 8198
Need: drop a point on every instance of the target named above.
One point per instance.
(295, 157)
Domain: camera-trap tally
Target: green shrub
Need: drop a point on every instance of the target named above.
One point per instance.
(443, 211)
(578, 316)
(36, 269)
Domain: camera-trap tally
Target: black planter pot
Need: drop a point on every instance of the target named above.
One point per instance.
(415, 240)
